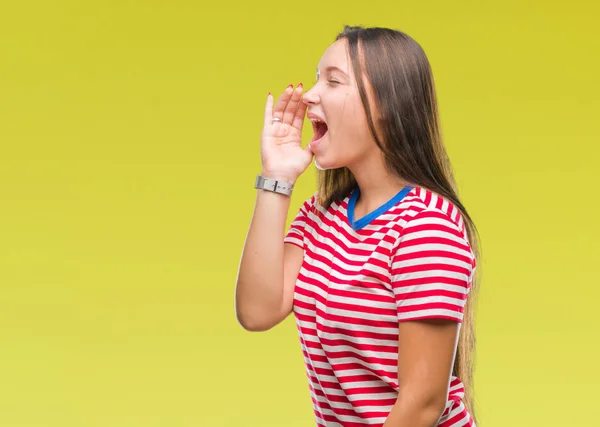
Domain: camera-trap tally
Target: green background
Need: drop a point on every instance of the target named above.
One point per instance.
(129, 144)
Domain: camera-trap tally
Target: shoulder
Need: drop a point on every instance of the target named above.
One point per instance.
(312, 204)
(432, 223)
(309, 207)
(427, 218)
(309, 204)
(423, 206)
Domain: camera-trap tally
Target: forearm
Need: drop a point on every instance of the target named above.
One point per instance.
(259, 289)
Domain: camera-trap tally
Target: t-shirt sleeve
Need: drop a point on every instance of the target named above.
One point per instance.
(296, 231)
(432, 268)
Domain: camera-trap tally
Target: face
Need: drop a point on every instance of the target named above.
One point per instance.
(342, 136)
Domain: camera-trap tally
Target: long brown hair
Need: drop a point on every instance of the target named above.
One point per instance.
(409, 136)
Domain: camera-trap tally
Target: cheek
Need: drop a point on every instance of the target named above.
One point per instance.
(339, 106)
(347, 122)
(355, 121)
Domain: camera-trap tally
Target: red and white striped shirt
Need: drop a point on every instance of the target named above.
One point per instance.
(409, 259)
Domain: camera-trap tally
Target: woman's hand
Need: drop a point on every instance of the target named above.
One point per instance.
(281, 149)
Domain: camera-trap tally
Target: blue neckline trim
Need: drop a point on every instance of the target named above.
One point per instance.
(367, 219)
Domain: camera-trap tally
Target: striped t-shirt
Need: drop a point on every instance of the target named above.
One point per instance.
(409, 259)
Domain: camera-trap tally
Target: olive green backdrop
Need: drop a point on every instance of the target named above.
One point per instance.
(129, 144)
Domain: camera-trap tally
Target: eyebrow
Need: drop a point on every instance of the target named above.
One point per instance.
(332, 68)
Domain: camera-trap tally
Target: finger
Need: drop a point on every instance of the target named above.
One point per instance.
(269, 110)
(290, 110)
(299, 117)
(282, 102)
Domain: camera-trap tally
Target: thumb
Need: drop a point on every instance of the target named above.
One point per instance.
(310, 154)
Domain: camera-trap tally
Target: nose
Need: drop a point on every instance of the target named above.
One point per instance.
(310, 97)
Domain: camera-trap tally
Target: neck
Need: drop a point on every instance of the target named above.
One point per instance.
(376, 184)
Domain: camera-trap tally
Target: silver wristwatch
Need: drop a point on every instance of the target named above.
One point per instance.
(273, 185)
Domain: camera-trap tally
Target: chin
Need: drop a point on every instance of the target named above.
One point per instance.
(320, 166)
(326, 164)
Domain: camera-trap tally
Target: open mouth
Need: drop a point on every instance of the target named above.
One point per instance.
(320, 129)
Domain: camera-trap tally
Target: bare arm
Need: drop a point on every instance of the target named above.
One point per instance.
(424, 370)
(269, 267)
(429, 313)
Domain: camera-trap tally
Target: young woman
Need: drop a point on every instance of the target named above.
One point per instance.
(379, 264)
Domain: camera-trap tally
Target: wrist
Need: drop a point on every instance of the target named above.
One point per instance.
(278, 176)
(279, 184)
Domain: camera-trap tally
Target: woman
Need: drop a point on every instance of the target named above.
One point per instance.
(379, 262)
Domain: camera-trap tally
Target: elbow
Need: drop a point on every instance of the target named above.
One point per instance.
(433, 405)
(251, 325)
(253, 315)
(428, 404)
(432, 412)
(253, 322)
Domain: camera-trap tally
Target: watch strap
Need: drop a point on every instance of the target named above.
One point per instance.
(276, 186)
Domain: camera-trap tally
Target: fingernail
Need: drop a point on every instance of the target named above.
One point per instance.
(300, 85)
(269, 94)
(291, 86)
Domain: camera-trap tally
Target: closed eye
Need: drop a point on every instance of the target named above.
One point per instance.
(333, 81)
